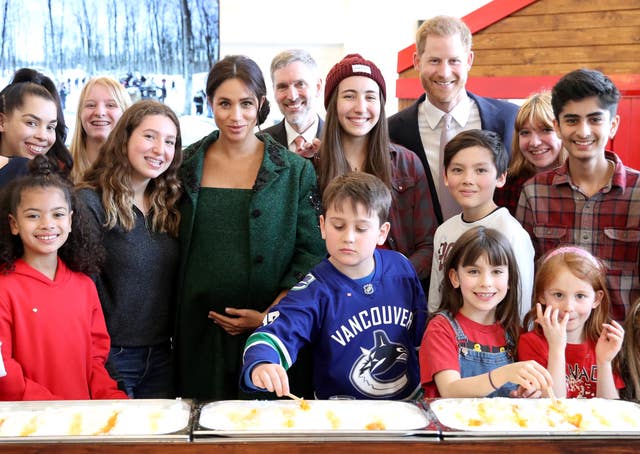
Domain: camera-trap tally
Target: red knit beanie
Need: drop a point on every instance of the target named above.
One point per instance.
(352, 65)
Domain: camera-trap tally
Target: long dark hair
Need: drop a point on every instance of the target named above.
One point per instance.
(246, 70)
(27, 81)
(333, 161)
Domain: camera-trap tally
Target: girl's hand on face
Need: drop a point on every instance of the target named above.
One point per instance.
(554, 328)
(241, 320)
(610, 342)
(529, 375)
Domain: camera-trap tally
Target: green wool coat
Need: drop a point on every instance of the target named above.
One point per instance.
(285, 241)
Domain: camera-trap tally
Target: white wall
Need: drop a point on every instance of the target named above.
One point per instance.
(329, 29)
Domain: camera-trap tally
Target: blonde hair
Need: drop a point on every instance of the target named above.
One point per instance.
(537, 111)
(78, 146)
(443, 26)
(583, 265)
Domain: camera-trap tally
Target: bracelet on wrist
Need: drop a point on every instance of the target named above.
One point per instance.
(491, 382)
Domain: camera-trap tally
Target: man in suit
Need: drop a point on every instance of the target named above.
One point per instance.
(296, 85)
(443, 59)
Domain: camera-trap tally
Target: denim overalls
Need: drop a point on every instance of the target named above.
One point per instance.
(476, 359)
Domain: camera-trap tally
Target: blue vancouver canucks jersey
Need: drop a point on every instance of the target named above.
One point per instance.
(365, 338)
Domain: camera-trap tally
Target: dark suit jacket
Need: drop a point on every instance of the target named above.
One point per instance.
(495, 115)
(279, 132)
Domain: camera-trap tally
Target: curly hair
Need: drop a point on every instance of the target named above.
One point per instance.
(78, 147)
(111, 175)
(83, 251)
(27, 81)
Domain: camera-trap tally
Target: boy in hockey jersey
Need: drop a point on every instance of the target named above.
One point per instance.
(362, 309)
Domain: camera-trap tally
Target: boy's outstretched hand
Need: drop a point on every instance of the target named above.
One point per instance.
(271, 377)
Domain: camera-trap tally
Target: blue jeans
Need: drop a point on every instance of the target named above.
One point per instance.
(143, 372)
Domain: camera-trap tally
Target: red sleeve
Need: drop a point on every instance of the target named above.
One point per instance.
(534, 346)
(101, 385)
(439, 350)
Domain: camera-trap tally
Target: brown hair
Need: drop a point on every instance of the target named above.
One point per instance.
(359, 188)
(472, 245)
(582, 265)
(246, 70)
(333, 162)
(111, 174)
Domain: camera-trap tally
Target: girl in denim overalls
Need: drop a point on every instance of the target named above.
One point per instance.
(468, 348)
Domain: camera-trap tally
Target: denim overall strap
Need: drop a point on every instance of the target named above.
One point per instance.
(476, 361)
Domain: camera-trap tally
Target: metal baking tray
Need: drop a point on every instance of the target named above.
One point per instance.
(160, 420)
(323, 419)
(590, 418)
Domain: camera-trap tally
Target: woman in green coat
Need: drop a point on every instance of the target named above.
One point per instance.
(249, 232)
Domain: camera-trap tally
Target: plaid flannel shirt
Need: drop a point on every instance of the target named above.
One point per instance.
(508, 195)
(413, 221)
(555, 212)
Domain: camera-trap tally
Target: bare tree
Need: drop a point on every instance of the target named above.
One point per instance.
(49, 43)
(187, 54)
(210, 29)
(86, 34)
(3, 34)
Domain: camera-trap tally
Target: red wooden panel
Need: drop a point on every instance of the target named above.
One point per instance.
(477, 20)
(626, 143)
(493, 12)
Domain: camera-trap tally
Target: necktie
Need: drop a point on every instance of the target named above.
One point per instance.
(448, 205)
(307, 152)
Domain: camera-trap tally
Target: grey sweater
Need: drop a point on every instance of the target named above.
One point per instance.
(137, 286)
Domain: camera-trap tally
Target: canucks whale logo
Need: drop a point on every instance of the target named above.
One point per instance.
(381, 370)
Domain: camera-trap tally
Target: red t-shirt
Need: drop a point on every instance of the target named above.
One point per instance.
(439, 348)
(580, 359)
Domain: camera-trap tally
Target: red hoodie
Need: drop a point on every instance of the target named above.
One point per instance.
(54, 338)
